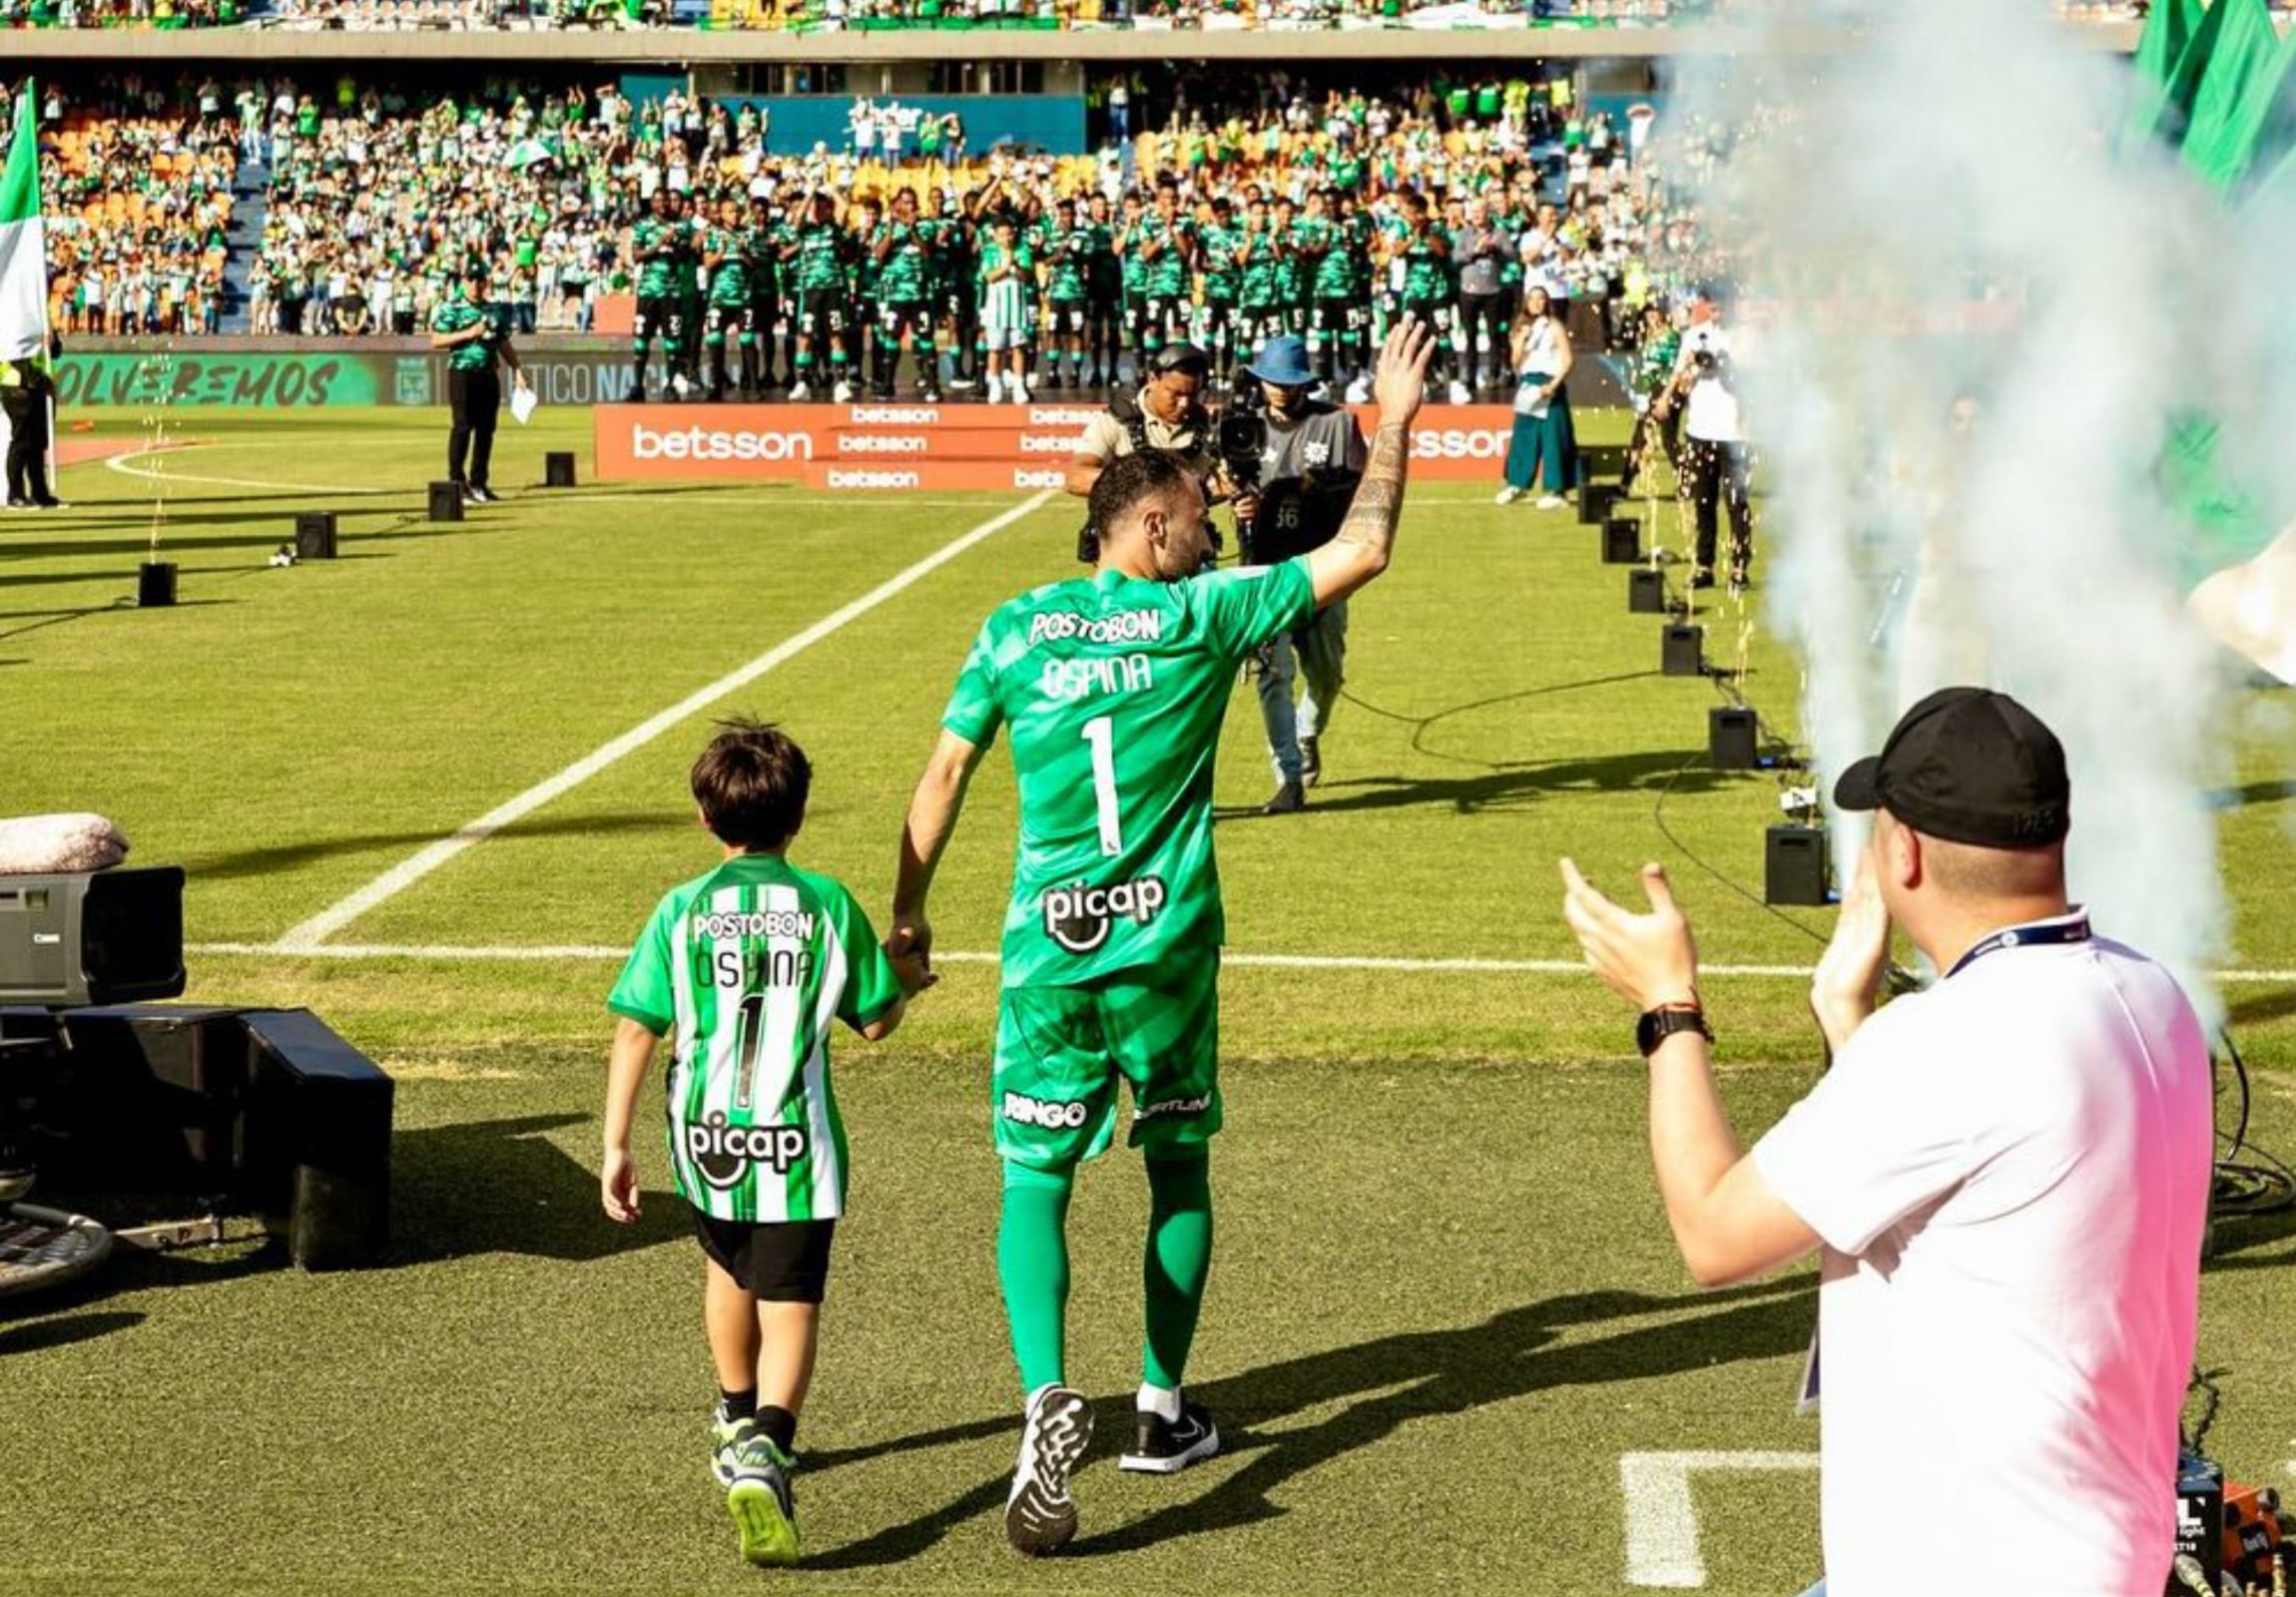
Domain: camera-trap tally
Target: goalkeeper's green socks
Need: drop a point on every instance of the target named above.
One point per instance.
(1178, 1260)
(1032, 1265)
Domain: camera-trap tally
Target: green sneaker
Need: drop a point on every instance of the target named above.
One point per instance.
(725, 1439)
(765, 1511)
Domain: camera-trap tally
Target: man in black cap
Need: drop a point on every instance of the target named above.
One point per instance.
(2005, 1176)
(473, 333)
(1312, 458)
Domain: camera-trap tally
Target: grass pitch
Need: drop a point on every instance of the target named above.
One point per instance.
(1443, 1305)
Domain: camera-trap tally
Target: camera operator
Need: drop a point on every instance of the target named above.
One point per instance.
(1290, 500)
(1714, 460)
(1167, 412)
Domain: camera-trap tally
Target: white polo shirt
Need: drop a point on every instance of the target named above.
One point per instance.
(1711, 412)
(2010, 1176)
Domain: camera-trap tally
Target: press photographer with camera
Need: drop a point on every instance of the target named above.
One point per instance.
(1293, 463)
(1714, 460)
(1166, 412)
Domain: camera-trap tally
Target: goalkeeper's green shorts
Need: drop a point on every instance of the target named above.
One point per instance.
(1060, 1050)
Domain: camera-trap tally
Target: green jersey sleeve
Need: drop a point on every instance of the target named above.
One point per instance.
(872, 988)
(1245, 606)
(973, 713)
(645, 991)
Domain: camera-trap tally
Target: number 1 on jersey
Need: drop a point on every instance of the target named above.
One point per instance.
(1100, 732)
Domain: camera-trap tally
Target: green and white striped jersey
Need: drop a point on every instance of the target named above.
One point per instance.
(744, 968)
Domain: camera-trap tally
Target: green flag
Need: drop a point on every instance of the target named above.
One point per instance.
(2163, 109)
(2237, 93)
(23, 246)
(2168, 31)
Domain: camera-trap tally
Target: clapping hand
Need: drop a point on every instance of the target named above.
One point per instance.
(1649, 959)
(1400, 382)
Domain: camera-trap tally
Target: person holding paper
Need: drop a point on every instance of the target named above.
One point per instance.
(1544, 449)
(474, 333)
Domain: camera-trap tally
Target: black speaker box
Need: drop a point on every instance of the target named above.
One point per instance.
(317, 1139)
(558, 468)
(1646, 591)
(1594, 502)
(314, 535)
(1682, 650)
(445, 501)
(1794, 866)
(1730, 739)
(1621, 541)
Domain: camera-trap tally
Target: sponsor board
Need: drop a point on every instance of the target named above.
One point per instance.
(945, 447)
(932, 476)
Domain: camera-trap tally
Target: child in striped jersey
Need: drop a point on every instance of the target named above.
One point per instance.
(744, 968)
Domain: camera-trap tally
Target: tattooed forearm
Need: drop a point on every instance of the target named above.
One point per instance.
(1378, 501)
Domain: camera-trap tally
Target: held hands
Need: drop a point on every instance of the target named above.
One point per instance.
(1647, 960)
(911, 950)
(1400, 383)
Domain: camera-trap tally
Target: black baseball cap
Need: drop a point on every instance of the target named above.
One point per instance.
(1970, 766)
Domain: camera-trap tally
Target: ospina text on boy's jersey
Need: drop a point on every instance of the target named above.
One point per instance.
(745, 968)
(1115, 688)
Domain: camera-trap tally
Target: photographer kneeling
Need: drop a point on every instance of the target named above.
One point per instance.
(1288, 500)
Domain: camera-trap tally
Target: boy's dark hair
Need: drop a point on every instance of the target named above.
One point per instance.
(751, 783)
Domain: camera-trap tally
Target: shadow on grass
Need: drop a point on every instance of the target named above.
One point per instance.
(1515, 786)
(2254, 792)
(62, 1330)
(291, 855)
(1395, 1380)
(502, 1186)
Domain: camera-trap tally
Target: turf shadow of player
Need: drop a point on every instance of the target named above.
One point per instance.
(1419, 1374)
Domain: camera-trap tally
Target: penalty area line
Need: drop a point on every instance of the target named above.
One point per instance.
(456, 953)
(307, 938)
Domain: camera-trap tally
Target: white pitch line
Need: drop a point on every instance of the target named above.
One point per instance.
(511, 952)
(306, 937)
(1662, 1516)
(120, 464)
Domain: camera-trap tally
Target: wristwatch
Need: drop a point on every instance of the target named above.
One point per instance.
(1657, 1025)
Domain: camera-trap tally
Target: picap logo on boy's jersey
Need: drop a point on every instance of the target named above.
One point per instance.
(724, 1153)
(1043, 1112)
(1079, 918)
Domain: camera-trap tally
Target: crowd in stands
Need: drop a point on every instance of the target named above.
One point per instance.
(138, 200)
(378, 198)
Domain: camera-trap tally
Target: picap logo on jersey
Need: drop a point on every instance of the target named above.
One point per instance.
(724, 1153)
(1046, 1113)
(1079, 918)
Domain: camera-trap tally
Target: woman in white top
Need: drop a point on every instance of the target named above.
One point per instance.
(1544, 449)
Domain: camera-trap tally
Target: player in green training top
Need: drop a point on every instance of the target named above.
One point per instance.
(1114, 687)
(744, 968)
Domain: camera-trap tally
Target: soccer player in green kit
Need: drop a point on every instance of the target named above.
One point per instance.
(1114, 687)
(903, 250)
(725, 252)
(656, 240)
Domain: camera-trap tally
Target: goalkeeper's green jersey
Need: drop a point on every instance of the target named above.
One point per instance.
(744, 968)
(1115, 688)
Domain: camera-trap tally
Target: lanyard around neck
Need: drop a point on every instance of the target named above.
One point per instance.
(2040, 935)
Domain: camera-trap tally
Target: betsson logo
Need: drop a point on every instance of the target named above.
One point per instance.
(1038, 479)
(1459, 443)
(904, 443)
(717, 443)
(873, 480)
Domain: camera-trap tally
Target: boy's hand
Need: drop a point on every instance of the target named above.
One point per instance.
(618, 1186)
(911, 933)
(912, 970)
